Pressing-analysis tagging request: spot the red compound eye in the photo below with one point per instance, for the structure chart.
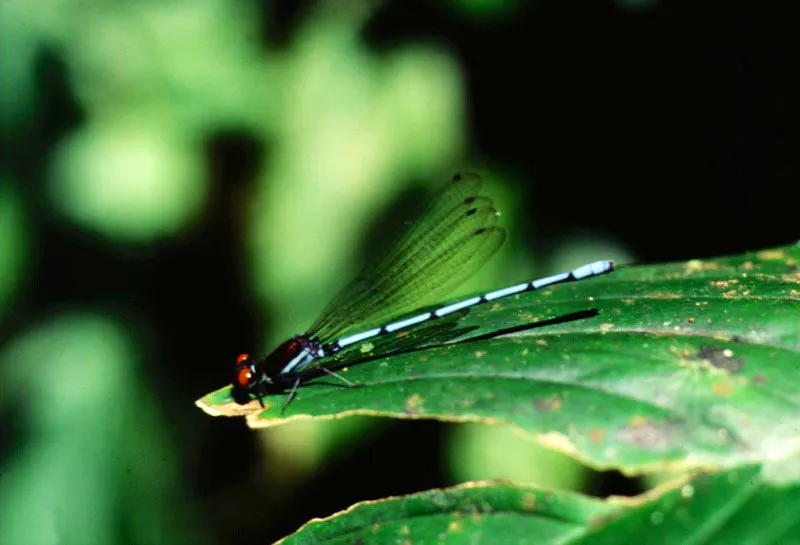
(242, 358)
(243, 376)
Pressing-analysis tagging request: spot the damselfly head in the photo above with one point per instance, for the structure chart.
(246, 376)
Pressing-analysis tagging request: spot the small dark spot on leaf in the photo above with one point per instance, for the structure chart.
(701, 479)
(759, 379)
(721, 358)
(551, 404)
(471, 211)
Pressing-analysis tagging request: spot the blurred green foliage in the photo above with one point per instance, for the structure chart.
(478, 451)
(96, 453)
(13, 243)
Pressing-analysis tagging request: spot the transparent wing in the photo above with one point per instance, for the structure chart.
(462, 190)
(454, 237)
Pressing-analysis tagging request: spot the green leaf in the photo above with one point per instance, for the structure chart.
(685, 365)
(477, 512)
(733, 506)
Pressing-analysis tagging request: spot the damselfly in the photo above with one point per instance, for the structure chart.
(453, 238)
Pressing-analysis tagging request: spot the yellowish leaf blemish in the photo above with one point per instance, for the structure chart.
(596, 435)
(413, 404)
(455, 525)
(791, 277)
(527, 316)
(745, 422)
(557, 441)
(722, 388)
(695, 265)
(466, 403)
(529, 502)
(637, 422)
(662, 295)
(771, 255)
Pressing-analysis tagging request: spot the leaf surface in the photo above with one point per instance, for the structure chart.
(733, 506)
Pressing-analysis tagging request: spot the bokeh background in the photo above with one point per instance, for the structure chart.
(182, 181)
